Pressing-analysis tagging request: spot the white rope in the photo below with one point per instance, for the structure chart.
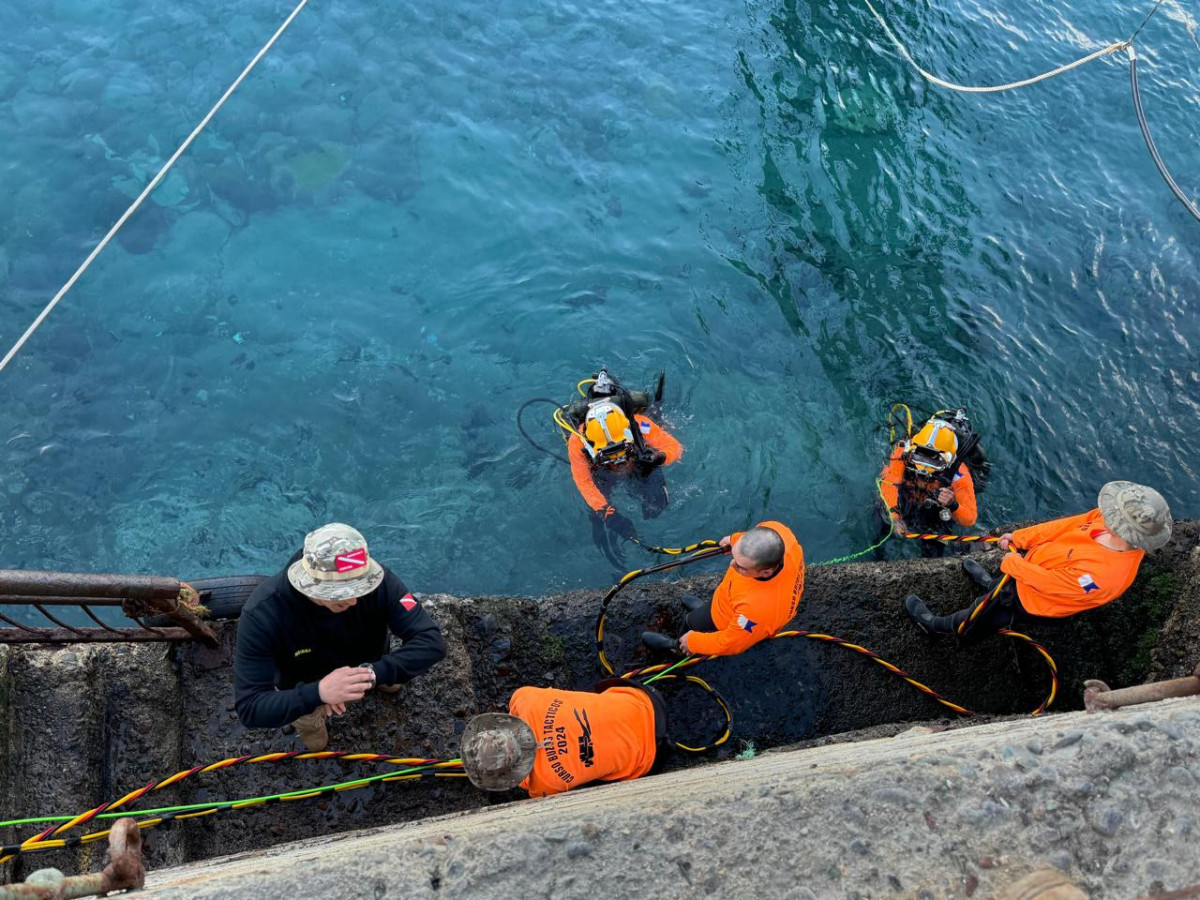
(146, 192)
(991, 89)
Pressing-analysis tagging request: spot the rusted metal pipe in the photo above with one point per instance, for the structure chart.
(26, 583)
(1098, 695)
(93, 636)
(125, 871)
(137, 595)
(30, 599)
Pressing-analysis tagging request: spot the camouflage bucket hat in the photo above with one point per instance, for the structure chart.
(1135, 513)
(498, 751)
(335, 565)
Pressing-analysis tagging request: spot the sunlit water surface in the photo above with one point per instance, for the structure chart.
(413, 217)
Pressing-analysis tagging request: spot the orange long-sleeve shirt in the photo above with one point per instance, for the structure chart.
(892, 477)
(584, 737)
(746, 610)
(581, 464)
(1064, 570)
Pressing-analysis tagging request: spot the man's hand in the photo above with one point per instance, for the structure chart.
(945, 496)
(683, 642)
(898, 526)
(334, 709)
(725, 542)
(344, 685)
(1006, 540)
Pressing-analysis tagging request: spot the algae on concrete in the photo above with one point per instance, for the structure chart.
(120, 717)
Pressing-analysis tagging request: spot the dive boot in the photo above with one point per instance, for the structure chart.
(692, 603)
(978, 573)
(312, 731)
(660, 643)
(919, 613)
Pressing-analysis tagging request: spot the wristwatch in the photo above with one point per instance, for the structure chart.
(370, 668)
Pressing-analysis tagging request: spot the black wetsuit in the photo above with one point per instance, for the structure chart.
(286, 644)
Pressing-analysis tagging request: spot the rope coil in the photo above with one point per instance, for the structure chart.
(726, 727)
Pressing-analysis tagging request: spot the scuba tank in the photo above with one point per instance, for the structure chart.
(604, 388)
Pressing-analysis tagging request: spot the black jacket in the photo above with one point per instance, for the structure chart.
(286, 644)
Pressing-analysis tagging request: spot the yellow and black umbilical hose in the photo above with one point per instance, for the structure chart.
(817, 636)
(56, 836)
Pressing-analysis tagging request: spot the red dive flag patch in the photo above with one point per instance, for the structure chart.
(348, 562)
(408, 601)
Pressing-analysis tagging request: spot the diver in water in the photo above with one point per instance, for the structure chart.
(612, 438)
(929, 482)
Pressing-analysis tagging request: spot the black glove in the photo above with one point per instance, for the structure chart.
(620, 526)
(650, 461)
(607, 543)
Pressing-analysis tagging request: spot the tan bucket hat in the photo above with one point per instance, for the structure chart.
(498, 751)
(1135, 513)
(336, 565)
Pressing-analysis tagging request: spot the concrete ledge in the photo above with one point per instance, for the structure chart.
(80, 725)
(1109, 798)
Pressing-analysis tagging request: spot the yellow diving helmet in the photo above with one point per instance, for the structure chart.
(933, 448)
(607, 433)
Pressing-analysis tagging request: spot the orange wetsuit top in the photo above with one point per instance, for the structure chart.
(1064, 570)
(581, 464)
(584, 737)
(746, 610)
(962, 484)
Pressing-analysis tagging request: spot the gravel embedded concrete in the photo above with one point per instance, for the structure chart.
(1109, 798)
(80, 725)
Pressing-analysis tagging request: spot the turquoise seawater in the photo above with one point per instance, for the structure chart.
(413, 217)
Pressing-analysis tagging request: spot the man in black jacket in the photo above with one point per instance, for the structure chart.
(315, 636)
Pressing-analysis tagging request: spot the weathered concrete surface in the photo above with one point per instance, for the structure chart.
(82, 725)
(1109, 798)
(71, 739)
